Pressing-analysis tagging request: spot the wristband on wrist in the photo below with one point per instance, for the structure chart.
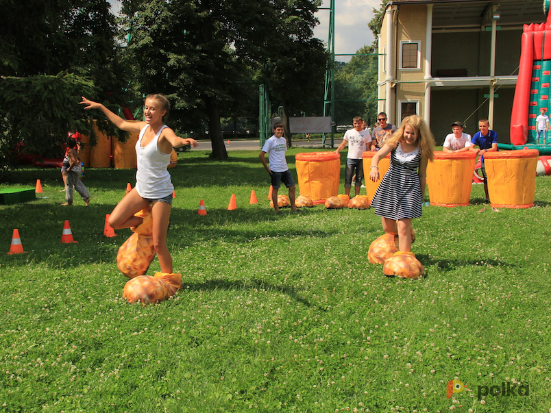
(374, 167)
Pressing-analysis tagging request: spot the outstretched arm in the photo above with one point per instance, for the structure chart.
(175, 141)
(117, 120)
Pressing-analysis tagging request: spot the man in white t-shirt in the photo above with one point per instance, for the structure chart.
(542, 122)
(275, 147)
(457, 141)
(357, 140)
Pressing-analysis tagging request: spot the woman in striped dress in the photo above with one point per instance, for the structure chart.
(399, 197)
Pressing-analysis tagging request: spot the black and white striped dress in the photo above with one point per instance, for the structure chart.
(399, 194)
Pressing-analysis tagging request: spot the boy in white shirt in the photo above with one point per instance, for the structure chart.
(542, 123)
(357, 140)
(457, 141)
(275, 147)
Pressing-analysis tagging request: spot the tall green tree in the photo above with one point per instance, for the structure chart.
(295, 67)
(49, 49)
(356, 87)
(197, 51)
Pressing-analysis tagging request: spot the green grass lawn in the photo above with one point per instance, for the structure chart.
(276, 313)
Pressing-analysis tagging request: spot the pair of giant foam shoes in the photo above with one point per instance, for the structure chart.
(384, 250)
(133, 260)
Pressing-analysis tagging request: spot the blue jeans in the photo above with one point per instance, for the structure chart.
(358, 165)
(541, 132)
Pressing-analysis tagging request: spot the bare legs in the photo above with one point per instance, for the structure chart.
(123, 217)
(292, 197)
(160, 212)
(402, 227)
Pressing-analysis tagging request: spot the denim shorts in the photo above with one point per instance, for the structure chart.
(285, 177)
(167, 200)
(351, 165)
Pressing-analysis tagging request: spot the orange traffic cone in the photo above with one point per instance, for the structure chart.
(67, 235)
(16, 246)
(38, 188)
(108, 231)
(253, 198)
(202, 209)
(173, 194)
(128, 187)
(270, 193)
(232, 204)
(228, 141)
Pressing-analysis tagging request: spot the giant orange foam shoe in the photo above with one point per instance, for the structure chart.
(404, 265)
(138, 251)
(382, 248)
(149, 290)
(304, 201)
(282, 201)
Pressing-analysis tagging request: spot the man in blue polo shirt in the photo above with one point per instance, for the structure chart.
(486, 140)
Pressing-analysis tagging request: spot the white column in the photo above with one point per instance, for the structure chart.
(492, 71)
(389, 54)
(428, 63)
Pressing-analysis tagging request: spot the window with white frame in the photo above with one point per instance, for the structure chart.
(408, 108)
(383, 58)
(410, 54)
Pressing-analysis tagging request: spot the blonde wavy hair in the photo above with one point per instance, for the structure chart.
(425, 137)
(165, 104)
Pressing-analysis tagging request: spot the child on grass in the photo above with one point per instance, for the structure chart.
(275, 147)
(399, 197)
(153, 185)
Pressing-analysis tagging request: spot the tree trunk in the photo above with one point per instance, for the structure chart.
(215, 131)
(287, 126)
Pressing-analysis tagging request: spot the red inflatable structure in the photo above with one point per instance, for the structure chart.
(532, 91)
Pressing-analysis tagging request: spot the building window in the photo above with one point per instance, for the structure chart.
(411, 54)
(407, 108)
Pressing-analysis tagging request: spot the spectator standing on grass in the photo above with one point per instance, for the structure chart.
(358, 140)
(399, 197)
(382, 132)
(458, 141)
(153, 185)
(542, 122)
(486, 140)
(73, 174)
(276, 147)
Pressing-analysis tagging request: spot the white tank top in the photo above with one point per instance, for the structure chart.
(152, 178)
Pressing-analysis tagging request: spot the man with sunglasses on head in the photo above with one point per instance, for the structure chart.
(382, 132)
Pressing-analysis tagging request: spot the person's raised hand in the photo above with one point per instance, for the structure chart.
(89, 104)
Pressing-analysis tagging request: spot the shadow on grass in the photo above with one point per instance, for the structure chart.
(253, 284)
(447, 265)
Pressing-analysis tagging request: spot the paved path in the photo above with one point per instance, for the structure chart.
(254, 145)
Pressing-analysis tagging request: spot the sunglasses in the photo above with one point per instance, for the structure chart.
(381, 119)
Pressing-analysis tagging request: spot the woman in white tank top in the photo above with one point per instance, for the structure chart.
(153, 185)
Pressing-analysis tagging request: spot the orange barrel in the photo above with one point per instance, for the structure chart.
(84, 152)
(450, 178)
(384, 164)
(511, 178)
(100, 155)
(318, 174)
(124, 153)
